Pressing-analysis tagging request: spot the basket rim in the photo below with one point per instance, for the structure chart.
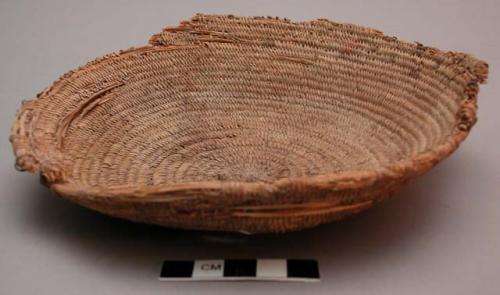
(476, 72)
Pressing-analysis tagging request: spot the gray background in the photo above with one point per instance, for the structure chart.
(441, 235)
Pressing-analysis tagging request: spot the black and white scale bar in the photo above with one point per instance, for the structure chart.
(298, 270)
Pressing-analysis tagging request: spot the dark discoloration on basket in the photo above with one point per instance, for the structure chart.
(250, 124)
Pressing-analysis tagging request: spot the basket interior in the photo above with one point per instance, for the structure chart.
(260, 110)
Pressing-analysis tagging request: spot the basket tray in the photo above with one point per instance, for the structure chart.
(248, 124)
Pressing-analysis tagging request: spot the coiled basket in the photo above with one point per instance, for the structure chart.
(249, 124)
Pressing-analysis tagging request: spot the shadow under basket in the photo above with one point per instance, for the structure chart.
(249, 124)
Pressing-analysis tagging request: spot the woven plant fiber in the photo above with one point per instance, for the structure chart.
(249, 124)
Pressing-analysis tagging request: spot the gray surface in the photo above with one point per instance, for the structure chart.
(441, 235)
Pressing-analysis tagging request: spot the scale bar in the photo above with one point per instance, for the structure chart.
(297, 270)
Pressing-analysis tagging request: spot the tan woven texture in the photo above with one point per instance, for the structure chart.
(248, 124)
